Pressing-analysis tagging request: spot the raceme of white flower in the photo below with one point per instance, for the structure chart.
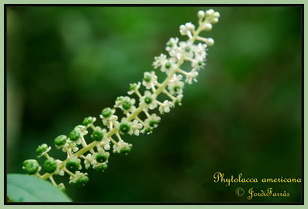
(138, 116)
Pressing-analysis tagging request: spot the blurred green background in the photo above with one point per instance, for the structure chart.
(243, 115)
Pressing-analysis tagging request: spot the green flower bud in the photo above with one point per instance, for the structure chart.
(87, 121)
(72, 165)
(41, 149)
(124, 128)
(82, 181)
(97, 135)
(60, 140)
(148, 100)
(126, 105)
(101, 167)
(31, 166)
(187, 49)
(102, 157)
(50, 165)
(74, 135)
(107, 112)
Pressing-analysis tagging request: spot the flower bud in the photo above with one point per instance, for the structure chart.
(201, 14)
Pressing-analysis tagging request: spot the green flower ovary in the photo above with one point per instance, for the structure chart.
(124, 128)
(50, 165)
(31, 166)
(60, 140)
(97, 135)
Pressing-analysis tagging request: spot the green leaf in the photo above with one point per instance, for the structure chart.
(25, 188)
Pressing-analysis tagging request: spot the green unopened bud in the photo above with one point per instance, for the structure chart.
(124, 128)
(50, 165)
(74, 135)
(107, 112)
(97, 135)
(31, 166)
(60, 140)
(72, 165)
(41, 149)
(82, 181)
(87, 121)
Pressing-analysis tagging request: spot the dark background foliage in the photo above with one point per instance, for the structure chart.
(243, 115)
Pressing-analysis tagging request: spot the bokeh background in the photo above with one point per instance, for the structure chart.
(243, 115)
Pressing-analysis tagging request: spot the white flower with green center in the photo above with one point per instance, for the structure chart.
(175, 86)
(172, 43)
(148, 100)
(134, 88)
(122, 147)
(159, 61)
(149, 80)
(169, 66)
(187, 49)
(152, 121)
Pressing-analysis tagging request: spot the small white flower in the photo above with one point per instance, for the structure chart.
(191, 76)
(198, 63)
(135, 128)
(76, 176)
(88, 161)
(126, 104)
(70, 146)
(169, 66)
(178, 100)
(175, 85)
(149, 100)
(187, 48)
(149, 79)
(172, 43)
(165, 107)
(152, 121)
(200, 51)
(159, 61)
(121, 146)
